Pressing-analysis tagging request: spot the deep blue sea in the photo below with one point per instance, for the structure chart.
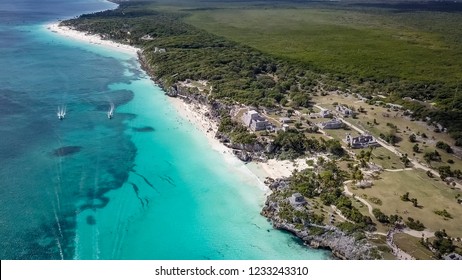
(143, 185)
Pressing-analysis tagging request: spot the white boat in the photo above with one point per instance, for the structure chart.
(61, 112)
(110, 113)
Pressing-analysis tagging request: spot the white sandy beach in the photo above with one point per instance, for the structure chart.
(195, 114)
(90, 38)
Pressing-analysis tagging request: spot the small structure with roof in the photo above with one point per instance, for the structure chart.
(285, 120)
(394, 107)
(362, 141)
(345, 111)
(254, 121)
(159, 50)
(297, 200)
(364, 184)
(325, 113)
(332, 124)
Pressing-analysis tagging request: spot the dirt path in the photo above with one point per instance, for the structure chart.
(419, 234)
(398, 170)
(362, 200)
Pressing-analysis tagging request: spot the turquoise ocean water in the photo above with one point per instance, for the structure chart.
(143, 185)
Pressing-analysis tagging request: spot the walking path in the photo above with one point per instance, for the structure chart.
(363, 201)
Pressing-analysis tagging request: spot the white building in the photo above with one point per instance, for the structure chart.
(345, 111)
(254, 121)
(297, 200)
(332, 124)
(325, 113)
(285, 120)
(362, 141)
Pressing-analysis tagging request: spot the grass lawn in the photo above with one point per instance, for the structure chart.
(431, 195)
(412, 246)
(386, 159)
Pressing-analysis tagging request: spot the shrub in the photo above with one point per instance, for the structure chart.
(444, 146)
(380, 216)
(415, 224)
(443, 213)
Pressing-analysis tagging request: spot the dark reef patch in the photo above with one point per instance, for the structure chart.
(91, 220)
(66, 151)
(143, 129)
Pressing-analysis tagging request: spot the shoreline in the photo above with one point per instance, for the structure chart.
(194, 112)
(93, 39)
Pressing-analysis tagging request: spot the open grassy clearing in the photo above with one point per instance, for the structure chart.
(412, 246)
(431, 195)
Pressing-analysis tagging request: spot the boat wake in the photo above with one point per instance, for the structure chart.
(61, 112)
(110, 113)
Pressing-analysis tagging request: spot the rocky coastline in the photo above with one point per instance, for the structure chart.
(345, 246)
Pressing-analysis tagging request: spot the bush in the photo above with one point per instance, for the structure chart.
(380, 216)
(444, 146)
(415, 224)
(443, 213)
(405, 197)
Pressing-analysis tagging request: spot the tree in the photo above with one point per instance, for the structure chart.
(405, 197)
(442, 243)
(380, 216)
(334, 147)
(395, 218)
(412, 138)
(444, 146)
(445, 171)
(415, 224)
(405, 160)
(416, 148)
(432, 156)
(414, 202)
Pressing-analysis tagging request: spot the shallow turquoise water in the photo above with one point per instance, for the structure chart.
(144, 185)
